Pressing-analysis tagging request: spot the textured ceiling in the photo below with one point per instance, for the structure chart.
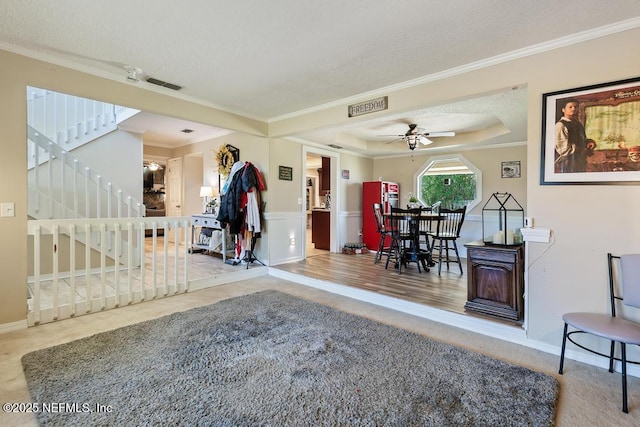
(268, 59)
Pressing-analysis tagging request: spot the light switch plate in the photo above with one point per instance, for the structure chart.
(7, 209)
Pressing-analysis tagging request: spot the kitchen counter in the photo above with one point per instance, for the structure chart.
(320, 228)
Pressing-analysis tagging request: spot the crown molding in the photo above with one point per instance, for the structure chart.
(498, 59)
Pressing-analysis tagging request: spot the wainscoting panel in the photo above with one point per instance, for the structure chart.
(286, 236)
(350, 227)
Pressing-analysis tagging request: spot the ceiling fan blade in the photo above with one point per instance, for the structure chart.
(437, 134)
(395, 140)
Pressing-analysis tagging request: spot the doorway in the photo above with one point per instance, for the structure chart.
(318, 205)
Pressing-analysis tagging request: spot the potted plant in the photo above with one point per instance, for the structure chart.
(413, 201)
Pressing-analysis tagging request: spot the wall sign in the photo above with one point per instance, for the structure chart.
(285, 173)
(370, 106)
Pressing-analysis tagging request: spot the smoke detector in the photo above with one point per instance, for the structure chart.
(133, 73)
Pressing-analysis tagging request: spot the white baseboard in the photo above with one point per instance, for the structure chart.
(13, 326)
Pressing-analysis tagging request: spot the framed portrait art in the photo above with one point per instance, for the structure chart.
(591, 134)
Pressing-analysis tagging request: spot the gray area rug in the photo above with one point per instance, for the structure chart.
(271, 359)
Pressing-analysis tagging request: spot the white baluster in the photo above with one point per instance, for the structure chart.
(116, 256)
(165, 272)
(76, 172)
(36, 173)
(50, 183)
(119, 203)
(130, 252)
(185, 272)
(72, 268)
(55, 278)
(109, 196)
(141, 249)
(98, 197)
(87, 196)
(37, 244)
(87, 263)
(63, 184)
(103, 265)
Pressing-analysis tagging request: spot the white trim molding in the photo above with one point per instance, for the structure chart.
(540, 235)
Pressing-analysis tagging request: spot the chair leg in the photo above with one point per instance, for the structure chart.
(623, 350)
(564, 344)
(611, 354)
(389, 255)
(380, 249)
(455, 247)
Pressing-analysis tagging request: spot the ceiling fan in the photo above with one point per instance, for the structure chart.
(417, 135)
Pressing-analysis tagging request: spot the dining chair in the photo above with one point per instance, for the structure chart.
(427, 225)
(383, 230)
(624, 288)
(448, 228)
(403, 227)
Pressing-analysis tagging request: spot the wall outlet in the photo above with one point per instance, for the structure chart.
(528, 222)
(7, 209)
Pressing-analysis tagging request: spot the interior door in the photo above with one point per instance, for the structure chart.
(174, 194)
(174, 190)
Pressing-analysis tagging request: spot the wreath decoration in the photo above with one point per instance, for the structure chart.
(225, 160)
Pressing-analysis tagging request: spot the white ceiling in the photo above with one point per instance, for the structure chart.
(267, 60)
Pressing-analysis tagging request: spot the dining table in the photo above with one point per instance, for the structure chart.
(409, 225)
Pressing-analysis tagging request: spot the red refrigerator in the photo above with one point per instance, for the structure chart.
(384, 192)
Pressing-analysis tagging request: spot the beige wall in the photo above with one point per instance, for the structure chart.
(360, 170)
(284, 194)
(488, 160)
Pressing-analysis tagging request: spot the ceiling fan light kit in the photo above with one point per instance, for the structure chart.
(414, 136)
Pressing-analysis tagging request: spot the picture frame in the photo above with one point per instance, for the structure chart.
(510, 169)
(606, 150)
(285, 173)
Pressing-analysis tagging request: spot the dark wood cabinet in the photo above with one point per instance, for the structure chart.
(495, 282)
(324, 176)
(321, 229)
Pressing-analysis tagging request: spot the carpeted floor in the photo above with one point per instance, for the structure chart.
(273, 359)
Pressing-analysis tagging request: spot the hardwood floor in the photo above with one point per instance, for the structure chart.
(447, 291)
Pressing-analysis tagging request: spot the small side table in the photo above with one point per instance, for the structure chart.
(495, 280)
(208, 221)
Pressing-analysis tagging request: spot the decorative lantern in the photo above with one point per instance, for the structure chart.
(502, 219)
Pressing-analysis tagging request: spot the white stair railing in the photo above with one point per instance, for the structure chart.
(61, 186)
(77, 285)
(71, 121)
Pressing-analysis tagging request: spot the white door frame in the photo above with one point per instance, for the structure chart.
(335, 195)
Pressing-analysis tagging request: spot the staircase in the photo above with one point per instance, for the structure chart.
(70, 121)
(60, 185)
(86, 228)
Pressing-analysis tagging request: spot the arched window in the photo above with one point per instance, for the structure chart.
(452, 180)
